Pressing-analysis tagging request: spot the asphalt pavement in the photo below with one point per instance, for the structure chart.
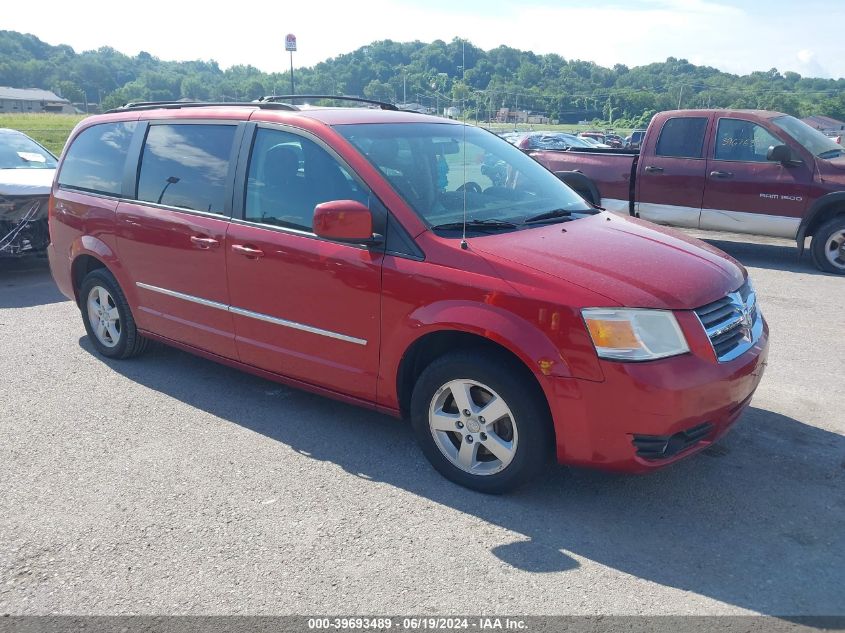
(169, 484)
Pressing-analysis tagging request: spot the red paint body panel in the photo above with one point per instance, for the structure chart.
(343, 220)
(182, 252)
(610, 171)
(655, 398)
(339, 318)
(313, 282)
(627, 260)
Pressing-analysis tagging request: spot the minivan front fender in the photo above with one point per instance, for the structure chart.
(492, 325)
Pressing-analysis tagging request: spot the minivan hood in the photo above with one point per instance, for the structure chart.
(632, 262)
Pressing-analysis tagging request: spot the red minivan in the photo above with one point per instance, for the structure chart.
(368, 254)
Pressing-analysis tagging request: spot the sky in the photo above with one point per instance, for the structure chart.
(738, 37)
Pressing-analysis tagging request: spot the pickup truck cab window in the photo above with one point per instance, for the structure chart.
(682, 137)
(185, 165)
(742, 141)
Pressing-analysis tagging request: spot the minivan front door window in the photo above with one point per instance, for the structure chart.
(289, 175)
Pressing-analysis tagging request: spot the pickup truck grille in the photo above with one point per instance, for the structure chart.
(733, 323)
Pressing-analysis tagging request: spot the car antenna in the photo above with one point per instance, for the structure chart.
(464, 244)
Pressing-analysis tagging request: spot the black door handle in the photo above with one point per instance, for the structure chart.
(721, 174)
(654, 170)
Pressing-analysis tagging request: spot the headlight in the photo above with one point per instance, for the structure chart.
(626, 334)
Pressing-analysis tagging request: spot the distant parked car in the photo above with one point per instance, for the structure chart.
(26, 174)
(594, 142)
(614, 140)
(635, 140)
(605, 140)
(549, 140)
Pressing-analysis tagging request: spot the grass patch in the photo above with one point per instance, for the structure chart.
(51, 130)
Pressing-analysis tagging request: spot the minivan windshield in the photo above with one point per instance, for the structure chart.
(439, 167)
(812, 140)
(18, 151)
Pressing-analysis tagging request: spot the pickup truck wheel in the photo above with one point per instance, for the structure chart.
(107, 317)
(828, 246)
(480, 421)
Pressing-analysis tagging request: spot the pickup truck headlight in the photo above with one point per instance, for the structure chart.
(630, 334)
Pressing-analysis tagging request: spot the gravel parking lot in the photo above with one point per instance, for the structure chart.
(172, 485)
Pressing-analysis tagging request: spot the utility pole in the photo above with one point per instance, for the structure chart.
(680, 95)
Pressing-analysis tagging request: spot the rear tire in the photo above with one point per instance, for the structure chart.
(505, 441)
(828, 246)
(107, 317)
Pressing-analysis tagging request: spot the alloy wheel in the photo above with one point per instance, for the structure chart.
(473, 427)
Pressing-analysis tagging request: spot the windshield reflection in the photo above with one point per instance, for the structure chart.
(812, 140)
(438, 168)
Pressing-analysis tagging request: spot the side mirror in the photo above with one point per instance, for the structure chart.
(781, 154)
(345, 221)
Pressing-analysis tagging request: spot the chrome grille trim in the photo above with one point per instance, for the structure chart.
(733, 323)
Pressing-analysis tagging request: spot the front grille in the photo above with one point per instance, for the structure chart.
(733, 323)
(666, 446)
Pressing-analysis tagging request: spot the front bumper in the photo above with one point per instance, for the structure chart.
(690, 401)
(23, 225)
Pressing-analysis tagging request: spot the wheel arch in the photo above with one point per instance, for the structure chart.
(90, 253)
(826, 207)
(428, 347)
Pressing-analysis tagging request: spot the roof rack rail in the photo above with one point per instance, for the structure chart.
(276, 98)
(175, 105)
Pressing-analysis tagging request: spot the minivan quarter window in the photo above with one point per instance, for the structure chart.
(96, 158)
(185, 165)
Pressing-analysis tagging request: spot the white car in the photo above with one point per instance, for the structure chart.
(26, 175)
(593, 142)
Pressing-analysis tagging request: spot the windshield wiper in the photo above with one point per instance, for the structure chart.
(831, 153)
(556, 214)
(477, 224)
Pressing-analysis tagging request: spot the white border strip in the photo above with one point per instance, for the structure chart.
(253, 315)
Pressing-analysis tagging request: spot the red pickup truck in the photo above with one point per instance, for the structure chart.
(745, 171)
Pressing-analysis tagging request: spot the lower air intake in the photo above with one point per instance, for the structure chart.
(666, 446)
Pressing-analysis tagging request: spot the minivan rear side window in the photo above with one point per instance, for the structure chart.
(682, 138)
(185, 165)
(95, 160)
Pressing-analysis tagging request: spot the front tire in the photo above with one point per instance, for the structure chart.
(107, 317)
(828, 246)
(481, 421)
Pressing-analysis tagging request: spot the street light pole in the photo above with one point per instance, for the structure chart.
(290, 45)
(292, 89)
